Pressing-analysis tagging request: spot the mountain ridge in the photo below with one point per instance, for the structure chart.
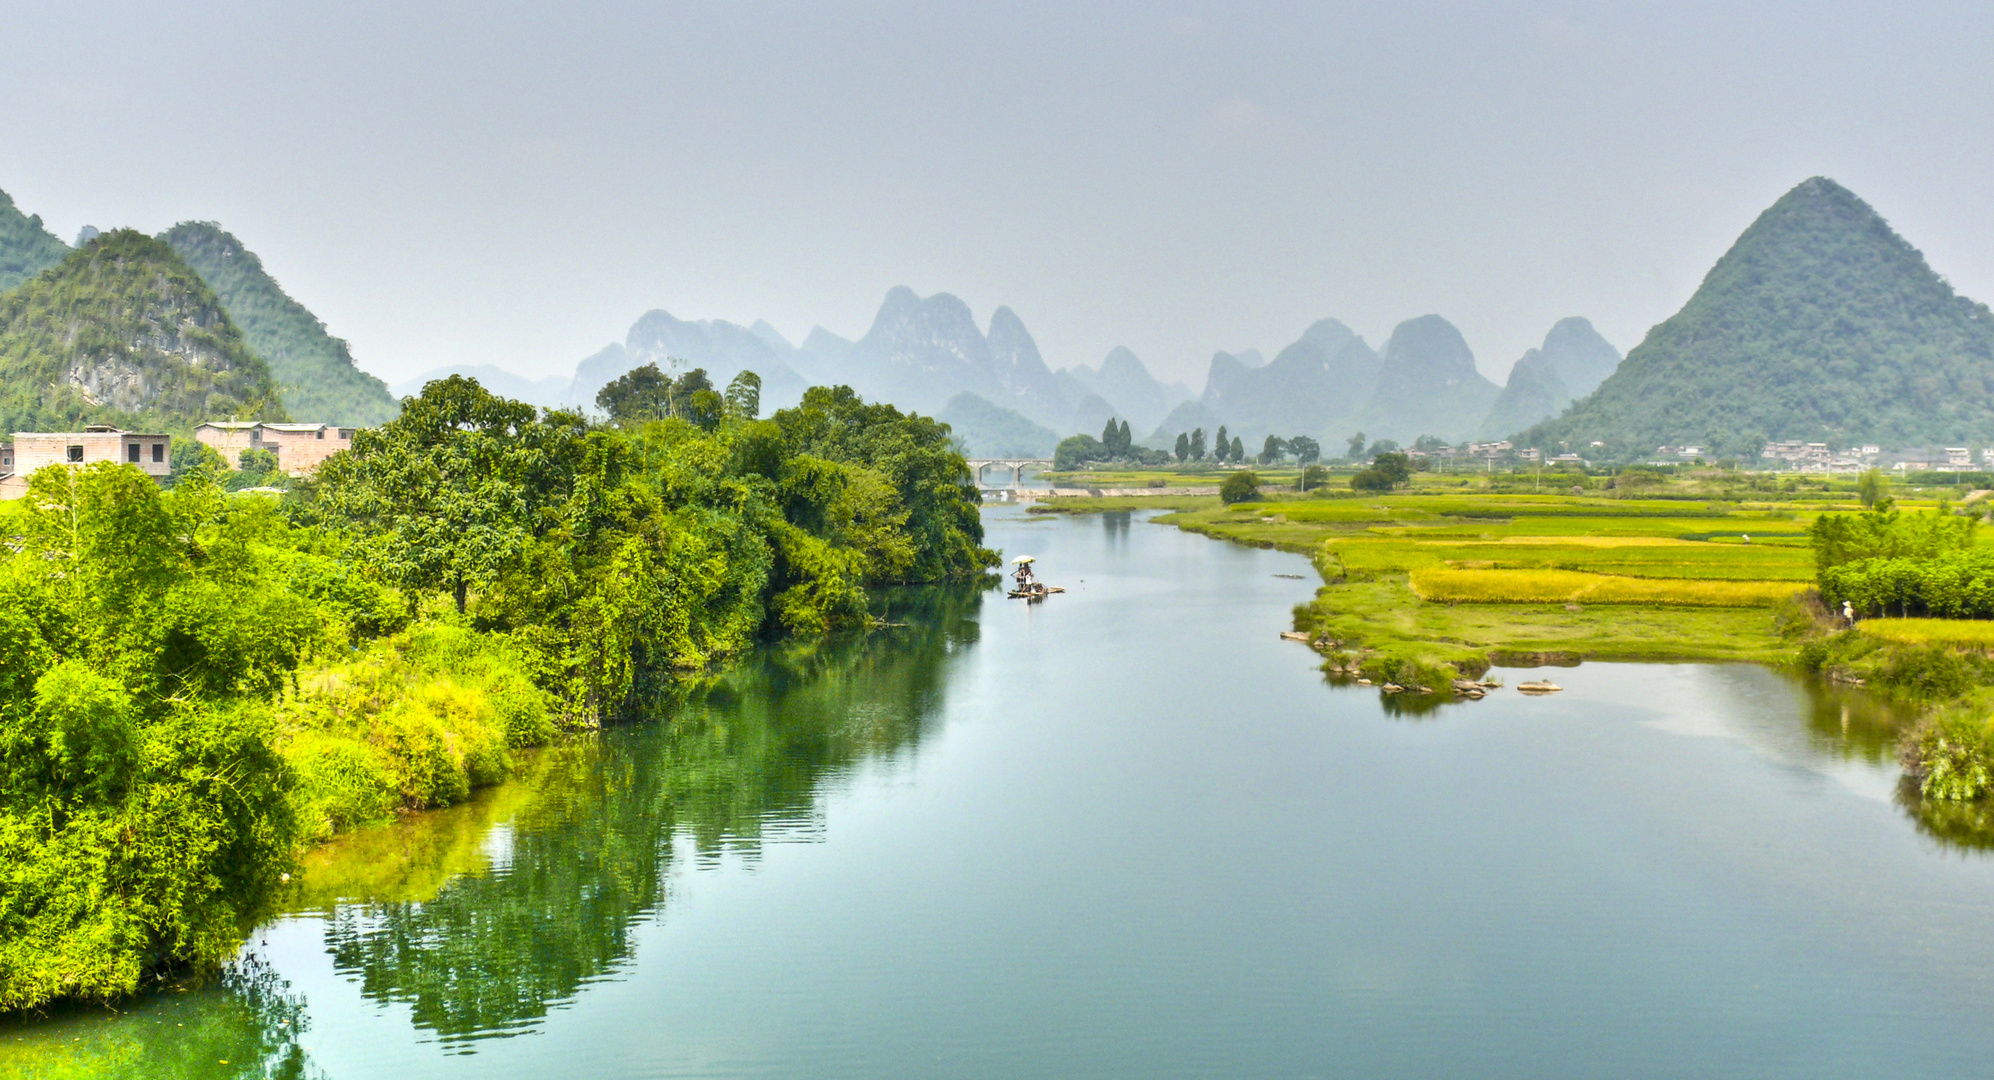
(1819, 323)
(315, 372)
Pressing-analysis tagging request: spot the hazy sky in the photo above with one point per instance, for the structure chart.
(515, 184)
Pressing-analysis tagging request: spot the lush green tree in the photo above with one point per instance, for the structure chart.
(1386, 472)
(1077, 451)
(646, 393)
(1125, 439)
(1241, 486)
(1369, 479)
(1183, 449)
(1111, 437)
(1396, 466)
(1306, 450)
(1871, 487)
(1221, 446)
(1272, 450)
(1888, 533)
(257, 468)
(744, 396)
(1197, 444)
(1313, 476)
(928, 477)
(1356, 447)
(443, 496)
(1238, 451)
(143, 811)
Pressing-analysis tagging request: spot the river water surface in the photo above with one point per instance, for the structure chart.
(1129, 832)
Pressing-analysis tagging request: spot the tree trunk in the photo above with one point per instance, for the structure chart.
(462, 591)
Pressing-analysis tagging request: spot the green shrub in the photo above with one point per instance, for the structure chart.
(1241, 486)
(1952, 755)
(342, 782)
(1371, 480)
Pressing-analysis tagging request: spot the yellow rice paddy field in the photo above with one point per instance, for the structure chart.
(1448, 585)
(1970, 632)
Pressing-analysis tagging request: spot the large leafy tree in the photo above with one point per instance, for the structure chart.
(143, 812)
(444, 495)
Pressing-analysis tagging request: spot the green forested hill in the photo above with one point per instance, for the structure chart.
(1820, 323)
(123, 332)
(26, 248)
(314, 370)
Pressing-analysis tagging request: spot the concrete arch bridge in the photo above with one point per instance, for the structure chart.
(1016, 465)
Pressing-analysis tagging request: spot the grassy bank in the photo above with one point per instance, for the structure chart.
(1445, 579)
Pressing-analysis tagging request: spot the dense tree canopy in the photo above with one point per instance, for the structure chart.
(191, 683)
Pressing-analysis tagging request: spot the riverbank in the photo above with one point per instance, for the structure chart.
(1605, 578)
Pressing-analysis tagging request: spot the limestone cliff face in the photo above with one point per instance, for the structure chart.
(124, 332)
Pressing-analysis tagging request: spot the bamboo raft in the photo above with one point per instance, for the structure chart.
(1029, 586)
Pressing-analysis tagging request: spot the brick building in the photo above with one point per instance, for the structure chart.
(32, 450)
(300, 448)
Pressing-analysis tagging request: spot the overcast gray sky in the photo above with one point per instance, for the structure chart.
(515, 184)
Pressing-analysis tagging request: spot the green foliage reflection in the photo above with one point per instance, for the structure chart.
(586, 848)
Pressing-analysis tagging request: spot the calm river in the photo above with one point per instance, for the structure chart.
(1129, 833)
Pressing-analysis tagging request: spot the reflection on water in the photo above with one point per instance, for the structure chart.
(251, 1027)
(480, 918)
(590, 831)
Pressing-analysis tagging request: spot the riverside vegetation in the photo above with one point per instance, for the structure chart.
(196, 685)
(1444, 577)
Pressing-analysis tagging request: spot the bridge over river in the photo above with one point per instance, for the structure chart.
(1016, 465)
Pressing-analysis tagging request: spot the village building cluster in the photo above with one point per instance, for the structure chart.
(300, 448)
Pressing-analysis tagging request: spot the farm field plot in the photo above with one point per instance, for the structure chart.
(1566, 586)
(1631, 556)
(1971, 632)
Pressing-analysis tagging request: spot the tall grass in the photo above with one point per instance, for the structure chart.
(1572, 586)
(1971, 632)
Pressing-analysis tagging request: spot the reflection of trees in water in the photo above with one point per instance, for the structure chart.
(1854, 724)
(488, 953)
(251, 1030)
(1963, 826)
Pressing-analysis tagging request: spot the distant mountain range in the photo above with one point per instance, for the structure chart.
(921, 353)
(1572, 363)
(1330, 384)
(1819, 324)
